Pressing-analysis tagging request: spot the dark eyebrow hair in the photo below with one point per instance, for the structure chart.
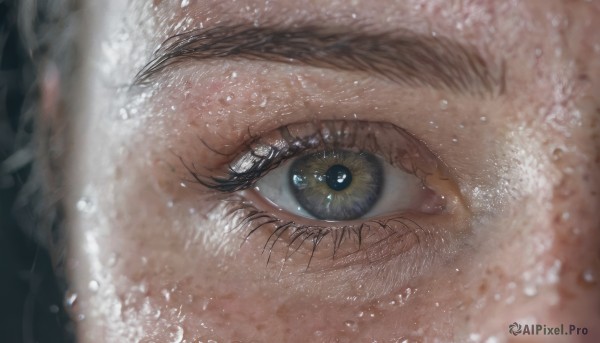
(401, 56)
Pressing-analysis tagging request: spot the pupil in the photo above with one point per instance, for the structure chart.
(338, 177)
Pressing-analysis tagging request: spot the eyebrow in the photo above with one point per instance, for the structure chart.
(401, 56)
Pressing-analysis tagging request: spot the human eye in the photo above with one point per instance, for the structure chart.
(336, 191)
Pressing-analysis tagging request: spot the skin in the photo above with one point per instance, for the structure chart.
(152, 256)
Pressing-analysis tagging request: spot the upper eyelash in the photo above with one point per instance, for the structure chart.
(239, 180)
(236, 180)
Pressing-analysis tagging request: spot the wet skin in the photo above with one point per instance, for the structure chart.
(156, 256)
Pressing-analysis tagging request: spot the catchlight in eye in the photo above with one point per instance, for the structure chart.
(336, 185)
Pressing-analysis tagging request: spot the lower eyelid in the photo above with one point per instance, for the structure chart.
(338, 243)
(383, 263)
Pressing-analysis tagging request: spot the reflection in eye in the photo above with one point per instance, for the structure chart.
(336, 185)
(364, 184)
(340, 185)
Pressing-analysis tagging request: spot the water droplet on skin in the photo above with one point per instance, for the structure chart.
(443, 104)
(530, 290)
(143, 287)
(123, 114)
(70, 299)
(93, 286)
(205, 303)
(263, 103)
(185, 3)
(483, 119)
(80, 317)
(318, 333)
(350, 324)
(85, 205)
(437, 304)
(360, 314)
(565, 216)
(112, 260)
(474, 337)
(454, 140)
(492, 339)
(234, 75)
(182, 185)
(538, 52)
(53, 309)
(175, 333)
(227, 100)
(588, 276)
(166, 294)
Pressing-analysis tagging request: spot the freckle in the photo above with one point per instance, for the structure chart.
(483, 288)
(583, 77)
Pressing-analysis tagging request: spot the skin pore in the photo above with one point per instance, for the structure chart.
(156, 256)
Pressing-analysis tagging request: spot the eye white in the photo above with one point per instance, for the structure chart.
(400, 191)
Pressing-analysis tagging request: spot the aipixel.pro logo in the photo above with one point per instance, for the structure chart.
(545, 330)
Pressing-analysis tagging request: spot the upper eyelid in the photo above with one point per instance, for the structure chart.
(402, 56)
(324, 134)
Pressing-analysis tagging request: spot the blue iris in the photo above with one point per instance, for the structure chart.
(336, 185)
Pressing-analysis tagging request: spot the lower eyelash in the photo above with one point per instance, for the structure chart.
(250, 220)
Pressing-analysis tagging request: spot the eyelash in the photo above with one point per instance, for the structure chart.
(265, 157)
(249, 219)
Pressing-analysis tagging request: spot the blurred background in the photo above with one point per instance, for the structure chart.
(31, 304)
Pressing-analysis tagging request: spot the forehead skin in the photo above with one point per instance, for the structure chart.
(154, 261)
